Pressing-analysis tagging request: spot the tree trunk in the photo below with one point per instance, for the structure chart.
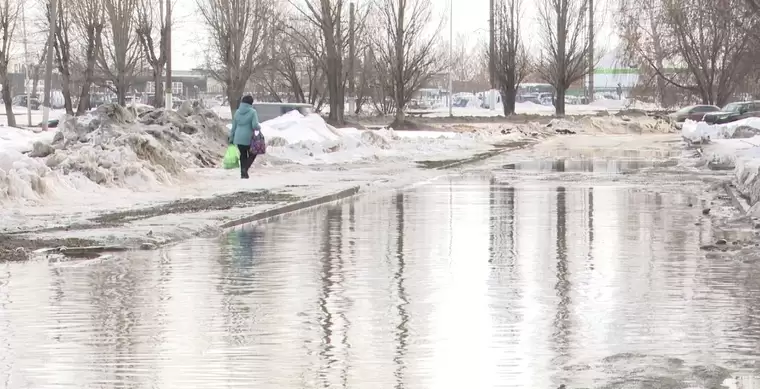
(334, 71)
(508, 97)
(561, 59)
(158, 95)
(8, 98)
(233, 96)
(333, 89)
(122, 88)
(35, 80)
(559, 104)
(121, 95)
(89, 72)
(399, 71)
(66, 89)
(84, 98)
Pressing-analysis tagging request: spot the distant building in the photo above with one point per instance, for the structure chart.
(185, 83)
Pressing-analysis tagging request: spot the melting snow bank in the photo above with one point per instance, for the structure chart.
(701, 132)
(732, 146)
(112, 148)
(308, 140)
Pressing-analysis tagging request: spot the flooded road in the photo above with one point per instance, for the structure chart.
(478, 281)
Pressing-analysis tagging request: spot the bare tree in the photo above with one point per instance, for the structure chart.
(303, 73)
(330, 19)
(151, 25)
(238, 31)
(118, 58)
(381, 84)
(510, 56)
(295, 64)
(62, 49)
(408, 43)
(89, 21)
(463, 58)
(9, 14)
(564, 52)
(712, 40)
(642, 32)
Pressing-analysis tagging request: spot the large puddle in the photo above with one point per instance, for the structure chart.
(463, 283)
(607, 166)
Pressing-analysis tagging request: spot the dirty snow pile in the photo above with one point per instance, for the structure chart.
(701, 132)
(731, 145)
(610, 124)
(309, 140)
(134, 148)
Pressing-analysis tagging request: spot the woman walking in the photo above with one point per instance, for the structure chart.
(245, 121)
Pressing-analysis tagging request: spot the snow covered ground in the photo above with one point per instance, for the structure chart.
(151, 176)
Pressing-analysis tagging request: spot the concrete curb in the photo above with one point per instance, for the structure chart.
(279, 211)
(485, 155)
(736, 199)
(292, 207)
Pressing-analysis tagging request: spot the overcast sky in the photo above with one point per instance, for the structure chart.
(470, 17)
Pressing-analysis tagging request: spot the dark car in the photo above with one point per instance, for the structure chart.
(692, 112)
(733, 112)
(20, 101)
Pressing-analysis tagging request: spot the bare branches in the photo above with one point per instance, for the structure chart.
(710, 41)
(238, 29)
(117, 58)
(9, 14)
(463, 60)
(151, 26)
(62, 47)
(328, 17)
(405, 48)
(511, 60)
(88, 20)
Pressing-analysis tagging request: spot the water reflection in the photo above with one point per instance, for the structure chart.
(466, 282)
(585, 165)
(403, 332)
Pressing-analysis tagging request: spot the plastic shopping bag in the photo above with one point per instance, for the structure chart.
(232, 158)
(258, 143)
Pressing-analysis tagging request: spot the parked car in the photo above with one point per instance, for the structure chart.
(20, 101)
(692, 112)
(733, 112)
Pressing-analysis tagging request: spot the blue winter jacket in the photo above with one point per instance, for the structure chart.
(243, 123)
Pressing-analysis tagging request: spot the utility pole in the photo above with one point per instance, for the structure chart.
(27, 63)
(352, 58)
(49, 64)
(168, 87)
(591, 50)
(451, 57)
(492, 45)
